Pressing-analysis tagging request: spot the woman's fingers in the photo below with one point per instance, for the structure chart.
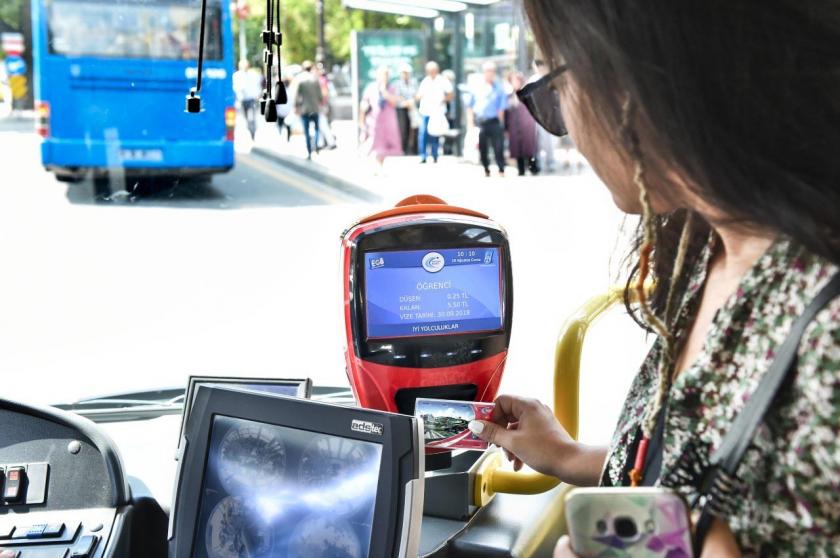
(491, 432)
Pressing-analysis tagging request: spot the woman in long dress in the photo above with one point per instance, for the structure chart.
(379, 102)
(521, 129)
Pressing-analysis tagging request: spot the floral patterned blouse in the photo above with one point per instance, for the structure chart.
(791, 473)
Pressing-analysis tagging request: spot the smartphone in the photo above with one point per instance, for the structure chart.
(639, 522)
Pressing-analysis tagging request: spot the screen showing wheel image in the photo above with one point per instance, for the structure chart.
(433, 292)
(276, 491)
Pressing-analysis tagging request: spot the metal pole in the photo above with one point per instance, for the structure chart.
(243, 43)
(321, 49)
(458, 63)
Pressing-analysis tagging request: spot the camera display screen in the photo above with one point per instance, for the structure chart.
(433, 292)
(276, 491)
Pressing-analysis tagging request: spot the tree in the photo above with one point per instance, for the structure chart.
(298, 21)
(11, 13)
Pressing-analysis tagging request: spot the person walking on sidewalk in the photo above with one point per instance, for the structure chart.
(283, 112)
(546, 142)
(406, 89)
(432, 95)
(521, 128)
(379, 103)
(308, 99)
(487, 107)
(247, 87)
(325, 117)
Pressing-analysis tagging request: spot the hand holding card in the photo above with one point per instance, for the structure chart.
(445, 422)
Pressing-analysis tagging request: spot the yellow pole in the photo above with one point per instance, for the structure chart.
(490, 478)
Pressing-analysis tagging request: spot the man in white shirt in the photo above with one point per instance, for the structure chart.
(247, 86)
(432, 95)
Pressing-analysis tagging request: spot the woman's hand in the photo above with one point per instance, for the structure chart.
(528, 432)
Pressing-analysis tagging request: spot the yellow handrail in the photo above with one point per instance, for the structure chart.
(490, 478)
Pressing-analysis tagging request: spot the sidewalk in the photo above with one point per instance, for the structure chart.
(348, 169)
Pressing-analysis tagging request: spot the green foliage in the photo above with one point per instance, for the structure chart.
(11, 13)
(299, 26)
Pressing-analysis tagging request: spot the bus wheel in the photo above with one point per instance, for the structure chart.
(101, 188)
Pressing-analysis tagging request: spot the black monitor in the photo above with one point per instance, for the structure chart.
(263, 476)
(277, 386)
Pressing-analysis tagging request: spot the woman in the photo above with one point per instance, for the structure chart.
(718, 122)
(521, 129)
(379, 102)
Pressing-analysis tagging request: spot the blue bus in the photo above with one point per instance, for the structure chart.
(110, 79)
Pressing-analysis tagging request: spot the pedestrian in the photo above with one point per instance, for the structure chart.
(308, 99)
(406, 89)
(379, 102)
(546, 142)
(521, 129)
(432, 95)
(283, 112)
(325, 115)
(488, 101)
(247, 87)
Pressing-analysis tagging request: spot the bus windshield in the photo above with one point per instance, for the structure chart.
(158, 30)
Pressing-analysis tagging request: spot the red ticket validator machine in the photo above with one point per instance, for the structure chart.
(428, 305)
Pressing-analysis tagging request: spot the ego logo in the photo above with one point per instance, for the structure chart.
(433, 262)
(366, 427)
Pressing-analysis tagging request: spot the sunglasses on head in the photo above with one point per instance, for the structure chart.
(541, 99)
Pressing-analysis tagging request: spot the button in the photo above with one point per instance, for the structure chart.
(36, 531)
(15, 477)
(6, 532)
(53, 530)
(84, 547)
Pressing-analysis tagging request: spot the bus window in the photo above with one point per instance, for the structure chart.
(160, 30)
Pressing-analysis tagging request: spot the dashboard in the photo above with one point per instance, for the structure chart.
(72, 488)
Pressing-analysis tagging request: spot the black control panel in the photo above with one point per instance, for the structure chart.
(51, 534)
(63, 492)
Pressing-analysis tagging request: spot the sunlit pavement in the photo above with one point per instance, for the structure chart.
(97, 298)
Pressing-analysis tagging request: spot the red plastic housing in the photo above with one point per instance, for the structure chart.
(375, 385)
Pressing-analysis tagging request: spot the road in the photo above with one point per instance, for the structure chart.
(241, 276)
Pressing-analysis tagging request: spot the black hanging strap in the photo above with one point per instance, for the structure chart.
(194, 99)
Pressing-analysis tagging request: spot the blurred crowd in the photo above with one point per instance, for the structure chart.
(405, 114)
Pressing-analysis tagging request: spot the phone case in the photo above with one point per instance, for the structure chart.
(628, 523)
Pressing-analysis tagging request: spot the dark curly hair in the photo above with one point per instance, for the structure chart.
(742, 97)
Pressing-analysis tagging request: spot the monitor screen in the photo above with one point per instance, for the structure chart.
(433, 292)
(271, 490)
